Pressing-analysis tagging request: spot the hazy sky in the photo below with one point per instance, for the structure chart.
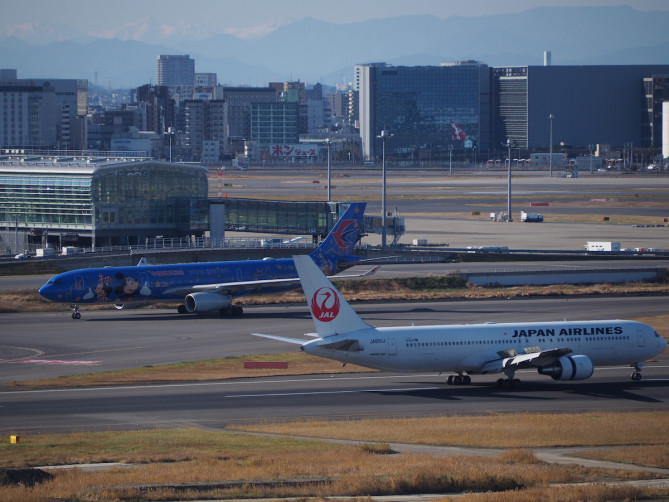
(237, 15)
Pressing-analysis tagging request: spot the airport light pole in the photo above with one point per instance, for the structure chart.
(450, 158)
(329, 177)
(508, 206)
(384, 137)
(550, 140)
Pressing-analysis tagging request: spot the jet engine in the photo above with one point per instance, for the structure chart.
(207, 302)
(576, 367)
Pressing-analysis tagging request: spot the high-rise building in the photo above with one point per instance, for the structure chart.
(275, 123)
(426, 110)
(579, 105)
(43, 113)
(178, 73)
(238, 100)
(206, 129)
(657, 92)
(161, 110)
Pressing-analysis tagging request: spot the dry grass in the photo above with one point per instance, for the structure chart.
(493, 430)
(209, 370)
(224, 465)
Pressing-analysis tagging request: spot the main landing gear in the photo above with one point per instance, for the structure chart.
(459, 379)
(75, 312)
(508, 383)
(231, 311)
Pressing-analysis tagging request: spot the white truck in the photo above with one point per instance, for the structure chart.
(531, 217)
(602, 246)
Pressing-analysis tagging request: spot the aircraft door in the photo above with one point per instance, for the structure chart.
(145, 290)
(641, 338)
(392, 347)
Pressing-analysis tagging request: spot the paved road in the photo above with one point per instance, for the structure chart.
(51, 344)
(216, 404)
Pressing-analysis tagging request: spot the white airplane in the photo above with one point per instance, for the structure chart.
(560, 350)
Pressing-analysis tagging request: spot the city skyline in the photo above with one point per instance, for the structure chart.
(255, 18)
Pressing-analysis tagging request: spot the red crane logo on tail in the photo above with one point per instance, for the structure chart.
(325, 304)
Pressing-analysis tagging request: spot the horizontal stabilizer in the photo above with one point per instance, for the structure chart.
(295, 341)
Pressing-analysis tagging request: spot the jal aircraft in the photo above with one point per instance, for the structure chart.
(560, 350)
(203, 287)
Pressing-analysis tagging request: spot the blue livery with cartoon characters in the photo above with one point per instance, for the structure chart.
(203, 287)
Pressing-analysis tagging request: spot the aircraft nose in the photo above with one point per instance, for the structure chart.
(46, 291)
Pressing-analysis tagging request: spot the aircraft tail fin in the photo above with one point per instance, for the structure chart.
(337, 248)
(330, 311)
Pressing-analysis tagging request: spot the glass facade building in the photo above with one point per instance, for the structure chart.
(427, 110)
(99, 204)
(605, 104)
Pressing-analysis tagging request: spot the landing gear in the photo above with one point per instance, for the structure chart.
(508, 383)
(182, 309)
(75, 312)
(459, 379)
(231, 311)
(636, 374)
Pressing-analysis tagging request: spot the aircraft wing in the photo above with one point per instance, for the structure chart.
(532, 358)
(238, 286)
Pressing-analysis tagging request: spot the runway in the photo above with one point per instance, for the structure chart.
(51, 344)
(217, 404)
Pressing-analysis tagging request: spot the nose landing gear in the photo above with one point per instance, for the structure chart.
(636, 374)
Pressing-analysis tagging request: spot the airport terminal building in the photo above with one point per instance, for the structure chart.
(95, 202)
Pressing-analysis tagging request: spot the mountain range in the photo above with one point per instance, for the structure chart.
(312, 50)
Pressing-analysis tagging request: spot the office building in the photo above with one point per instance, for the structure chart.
(657, 92)
(589, 105)
(161, 109)
(426, 110)
(206, 127)
(43, 113)
(275, 123)
(238, 101)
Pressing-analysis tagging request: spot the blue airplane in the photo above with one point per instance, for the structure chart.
(203, 287)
